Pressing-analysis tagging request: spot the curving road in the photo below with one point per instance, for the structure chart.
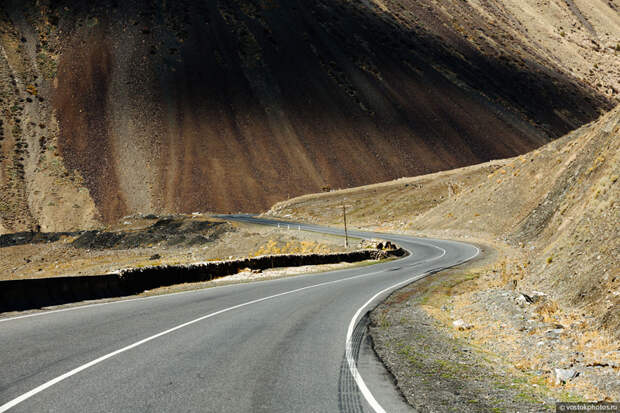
(287, 345)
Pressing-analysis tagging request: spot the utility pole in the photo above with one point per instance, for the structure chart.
(346, 235)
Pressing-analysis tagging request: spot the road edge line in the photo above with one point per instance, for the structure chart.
(351, 362)
(25, 396)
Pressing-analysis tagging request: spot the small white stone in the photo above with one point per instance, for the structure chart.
(563, 375)
(461, 325)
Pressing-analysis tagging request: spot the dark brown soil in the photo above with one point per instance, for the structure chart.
(21, 238)
(166, 232)
(234, 105)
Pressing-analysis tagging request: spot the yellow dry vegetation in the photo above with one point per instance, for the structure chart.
(456, 299)
(291, 247)
(32, 90)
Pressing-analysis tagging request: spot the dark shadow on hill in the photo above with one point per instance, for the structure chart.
(234, 105)
(168, 232)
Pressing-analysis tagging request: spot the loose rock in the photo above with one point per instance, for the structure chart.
(564, 375)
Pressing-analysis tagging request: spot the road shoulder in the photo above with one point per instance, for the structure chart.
(442, 366)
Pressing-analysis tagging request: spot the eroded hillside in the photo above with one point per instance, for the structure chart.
(558, 205)
(111, 108)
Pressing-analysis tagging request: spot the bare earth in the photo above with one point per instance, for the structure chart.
(140, 242)
(114, 108)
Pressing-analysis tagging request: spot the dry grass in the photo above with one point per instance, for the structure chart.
(291, 247)
(456, 299)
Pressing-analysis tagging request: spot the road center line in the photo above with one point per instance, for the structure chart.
(92, 363)
(348, 344)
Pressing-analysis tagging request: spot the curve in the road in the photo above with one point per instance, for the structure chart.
(349, 354)
(92, 363)
(152, 315)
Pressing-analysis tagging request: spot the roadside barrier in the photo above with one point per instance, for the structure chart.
(33, 293)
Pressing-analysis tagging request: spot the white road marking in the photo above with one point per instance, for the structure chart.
(83, 367)
(349, 345)
(79, 307)
(349, 348)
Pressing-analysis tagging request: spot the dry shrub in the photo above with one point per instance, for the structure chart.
(547, 310)
(527, 364)
(510, 271)
(290, 247)
(594, 341)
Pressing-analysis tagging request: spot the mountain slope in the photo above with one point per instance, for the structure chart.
(557, 205)
(111, 108)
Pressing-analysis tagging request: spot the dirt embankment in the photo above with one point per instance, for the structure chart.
(162, 254)
(146, 241)
(114, 108)
(549, 304)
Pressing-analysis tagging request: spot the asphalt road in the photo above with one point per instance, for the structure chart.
(287, 345)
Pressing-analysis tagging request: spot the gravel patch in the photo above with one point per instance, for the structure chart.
(443, 363)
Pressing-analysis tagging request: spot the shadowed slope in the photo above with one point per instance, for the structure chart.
(234, 105)
(558, 204)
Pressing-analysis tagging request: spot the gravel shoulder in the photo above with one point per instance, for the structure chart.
(443, 358)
